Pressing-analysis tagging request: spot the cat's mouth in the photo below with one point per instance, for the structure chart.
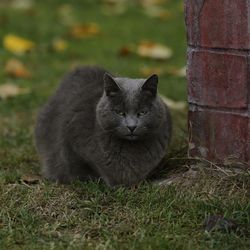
(132, 137)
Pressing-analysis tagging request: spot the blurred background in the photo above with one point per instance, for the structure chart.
(43, 40)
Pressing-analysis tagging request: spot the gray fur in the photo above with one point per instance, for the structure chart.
(82, 132)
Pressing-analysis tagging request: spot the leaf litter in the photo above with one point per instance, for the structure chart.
(59, 45)
(30, 179)
(9, 90)
(145, 71)
(147, 49)
(17, 45)
(154, 50)
(79, 31)
(16, 68)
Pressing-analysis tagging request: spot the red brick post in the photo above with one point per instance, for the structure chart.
(218, 73)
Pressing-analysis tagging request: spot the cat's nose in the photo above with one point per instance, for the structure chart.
(132, 128)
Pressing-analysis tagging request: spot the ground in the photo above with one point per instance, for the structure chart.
(90, 215)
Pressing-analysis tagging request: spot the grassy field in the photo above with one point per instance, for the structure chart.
(90, 215)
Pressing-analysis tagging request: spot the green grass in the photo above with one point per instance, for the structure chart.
(90, 215)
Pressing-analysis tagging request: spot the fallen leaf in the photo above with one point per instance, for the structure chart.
(176, 71)
(84, 30)
(31, 179)
(17, 69)
(173, 104)
(59, 45)
(17, 45)
(147, 71)
(154, 50)
(125, 51)
(10, 90)
(22, 4)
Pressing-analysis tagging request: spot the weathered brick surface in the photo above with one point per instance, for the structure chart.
(219, 136)
(218, 23)
(248, 142)
(218, 74)
(218, 79)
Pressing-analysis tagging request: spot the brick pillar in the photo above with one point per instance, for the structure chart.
(218, 73)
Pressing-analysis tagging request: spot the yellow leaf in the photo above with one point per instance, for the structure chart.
(59, 45)
(10, 90)
(154, 50)
(84, 30)
(17, 45)
(17, 69)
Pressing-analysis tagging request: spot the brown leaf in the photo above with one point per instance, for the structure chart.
(154, 50)
(125, 51)
(31, 179)
(10, 90)
(79, 31)
(17, 69)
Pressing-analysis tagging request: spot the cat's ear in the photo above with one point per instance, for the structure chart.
(150, 85)
(110, 85)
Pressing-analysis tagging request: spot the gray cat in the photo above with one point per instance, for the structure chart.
(100, 126)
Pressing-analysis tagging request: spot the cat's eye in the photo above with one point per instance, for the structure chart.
(144, 112)
(120, 113)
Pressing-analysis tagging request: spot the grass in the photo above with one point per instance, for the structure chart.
(90, 215)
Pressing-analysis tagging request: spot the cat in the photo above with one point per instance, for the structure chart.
(97, 126)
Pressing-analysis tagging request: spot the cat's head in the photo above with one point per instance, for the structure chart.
(130, 108)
